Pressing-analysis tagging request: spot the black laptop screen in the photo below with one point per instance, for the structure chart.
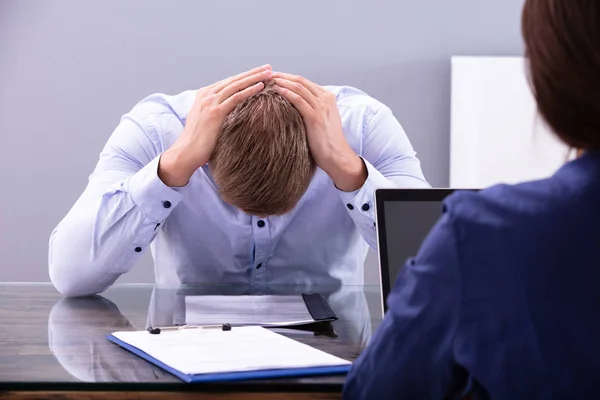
(408, 223)
(404, 219)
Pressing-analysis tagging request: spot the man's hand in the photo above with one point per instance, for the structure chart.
(326, 139)
(194, 147)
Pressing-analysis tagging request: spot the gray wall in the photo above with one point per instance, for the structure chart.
(70, 68)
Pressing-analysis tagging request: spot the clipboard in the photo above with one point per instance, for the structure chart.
(205, 354)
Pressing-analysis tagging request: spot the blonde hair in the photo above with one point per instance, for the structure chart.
(262, 163)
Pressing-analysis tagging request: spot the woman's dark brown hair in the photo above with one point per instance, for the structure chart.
(562, 46)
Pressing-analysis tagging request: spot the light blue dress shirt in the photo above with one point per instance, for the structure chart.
(196, 237)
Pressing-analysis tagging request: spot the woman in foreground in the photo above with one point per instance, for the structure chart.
(503, 299)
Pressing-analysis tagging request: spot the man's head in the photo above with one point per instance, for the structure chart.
(262, 163)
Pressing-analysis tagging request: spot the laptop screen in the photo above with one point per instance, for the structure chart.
(409, 222)
(404, 219)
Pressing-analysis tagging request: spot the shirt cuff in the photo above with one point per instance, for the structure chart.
(149, 193)
(360, 203)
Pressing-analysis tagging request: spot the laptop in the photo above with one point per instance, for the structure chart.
(404, 218)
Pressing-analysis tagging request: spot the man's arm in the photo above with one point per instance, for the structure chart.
(388, 159)
(390, 162)
(411, 354)
(127, 198)
(117, 216)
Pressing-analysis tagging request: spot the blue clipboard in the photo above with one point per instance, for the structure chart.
(234, 376)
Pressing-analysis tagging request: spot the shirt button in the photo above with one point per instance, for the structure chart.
(260, 223)
(167, 204)
(350, 206)
(258, 265)
(365, 207)
(138, 249)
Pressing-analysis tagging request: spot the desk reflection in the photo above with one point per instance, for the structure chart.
(77, 329)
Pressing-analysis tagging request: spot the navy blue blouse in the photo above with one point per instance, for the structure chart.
(502, 301)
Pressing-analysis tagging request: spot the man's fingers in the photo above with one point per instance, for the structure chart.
(314, 88)
(238, 86)
(242, 75)
(218, 86)
(297, 101)
(298, 89)
(230, 103)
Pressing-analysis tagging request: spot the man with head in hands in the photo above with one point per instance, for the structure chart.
(260, 179)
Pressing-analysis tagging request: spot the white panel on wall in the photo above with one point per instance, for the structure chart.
(497, 136)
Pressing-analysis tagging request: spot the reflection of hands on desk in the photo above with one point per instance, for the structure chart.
(77, 329)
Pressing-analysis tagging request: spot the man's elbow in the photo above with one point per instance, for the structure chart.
(68, 283)
(68, 273)
(73, 279)
(71, 289)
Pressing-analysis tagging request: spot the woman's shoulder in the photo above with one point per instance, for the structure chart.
(575, 184)
(506, 204)
(528, 213)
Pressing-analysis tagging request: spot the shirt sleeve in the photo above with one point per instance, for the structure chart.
(118, 215)
(391, 162)
(411, 354)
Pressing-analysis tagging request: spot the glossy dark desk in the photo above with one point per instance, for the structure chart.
(55, 348)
